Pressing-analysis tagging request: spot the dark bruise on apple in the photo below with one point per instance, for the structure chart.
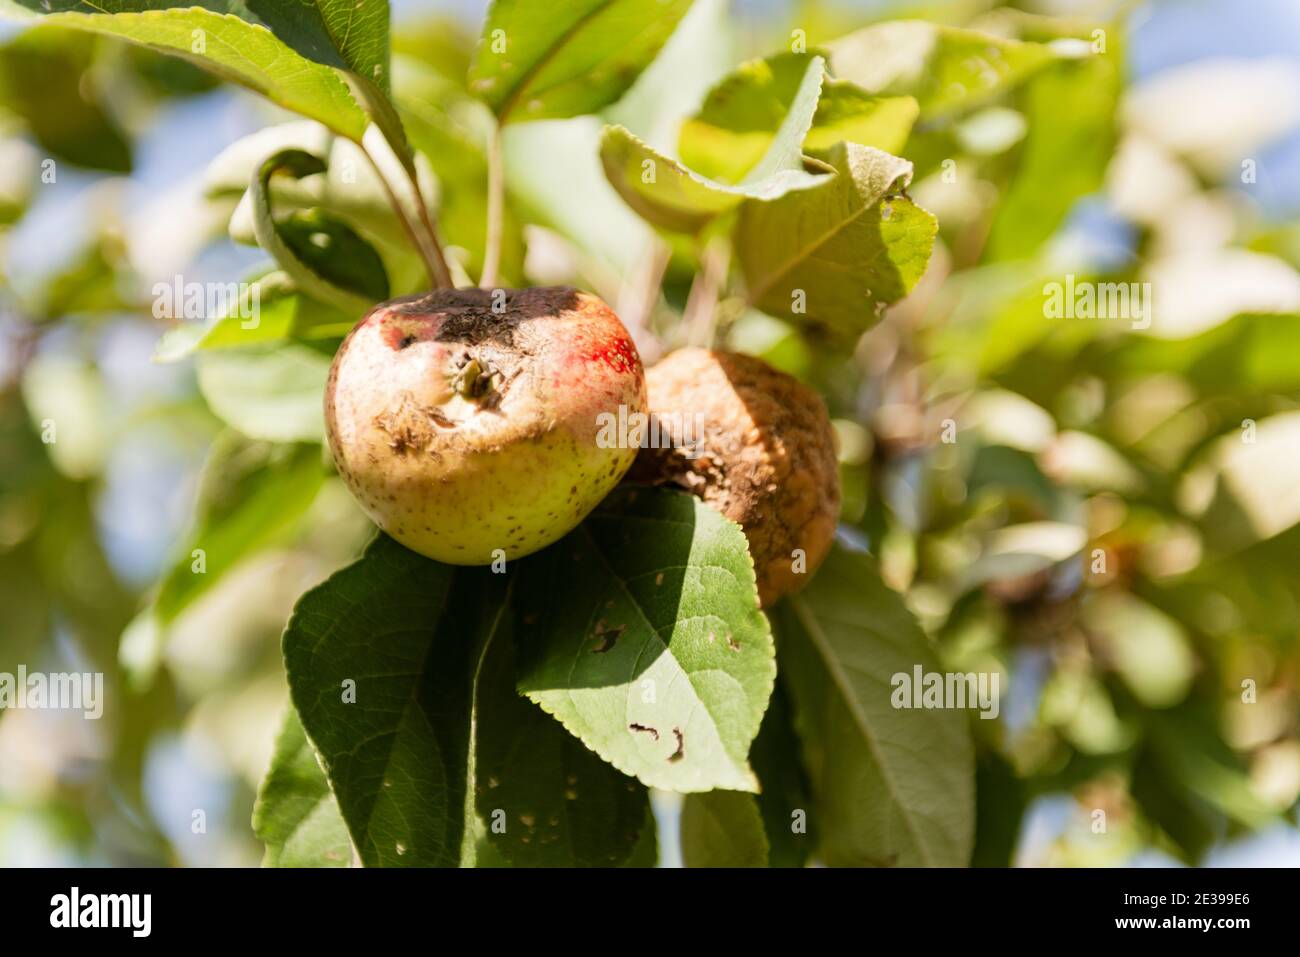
(465, 422)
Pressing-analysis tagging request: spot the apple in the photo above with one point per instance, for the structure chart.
(466, 422)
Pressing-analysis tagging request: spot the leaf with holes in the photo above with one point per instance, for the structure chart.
(656, 655)
(542, 61)
(891, 786)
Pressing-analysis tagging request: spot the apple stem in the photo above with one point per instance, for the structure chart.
(496, 201)
(420, 229)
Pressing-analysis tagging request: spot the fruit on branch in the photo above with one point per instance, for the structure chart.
(757, 445)
(466, 422)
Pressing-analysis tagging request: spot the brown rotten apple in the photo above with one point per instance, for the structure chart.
(765, 457)
(466, 421)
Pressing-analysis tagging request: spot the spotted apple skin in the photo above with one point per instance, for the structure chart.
(467, 422)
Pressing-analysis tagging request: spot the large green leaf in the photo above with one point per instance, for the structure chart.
(741, 116)
(946, 68)
(642, 635)
(837, 253)
(891, 786)
(538, 61)
(435, 732)
(46, 77)
(273, 392)
(250, 494)
(722, 829)
(669, 194)
(296, 816)
(223, 38)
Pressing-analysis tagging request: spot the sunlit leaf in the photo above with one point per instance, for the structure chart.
(553, 60)
(837, 253)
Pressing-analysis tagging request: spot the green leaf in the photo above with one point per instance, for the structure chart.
(277, 241)
(330, 248)
(891, 786)
(1071, 109)
(267, 392)
(1000, 803)
(646, 852)
(656, 656)
(722, 829)
(278, 313)
(1203, 775)
(559, 804)
(224, 39)
(352, 37)
(740, 117)
(785, 800)
(836, 254)
(566, 57)
(947, 69)
(250, 494)
(348, 187)
(404, 635)
(46, 78)
(349, 35)
(1257, 348)
(435, 731)
(295, 814)
(672, 196)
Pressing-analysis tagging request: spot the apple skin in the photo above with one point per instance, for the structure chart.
(469, 433)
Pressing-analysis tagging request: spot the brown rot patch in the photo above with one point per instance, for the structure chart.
(478, 316)
(408, 427)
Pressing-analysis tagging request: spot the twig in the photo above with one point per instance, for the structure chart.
(637, 298)
(701, 314)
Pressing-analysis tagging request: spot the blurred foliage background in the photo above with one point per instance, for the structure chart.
(1107, 516)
